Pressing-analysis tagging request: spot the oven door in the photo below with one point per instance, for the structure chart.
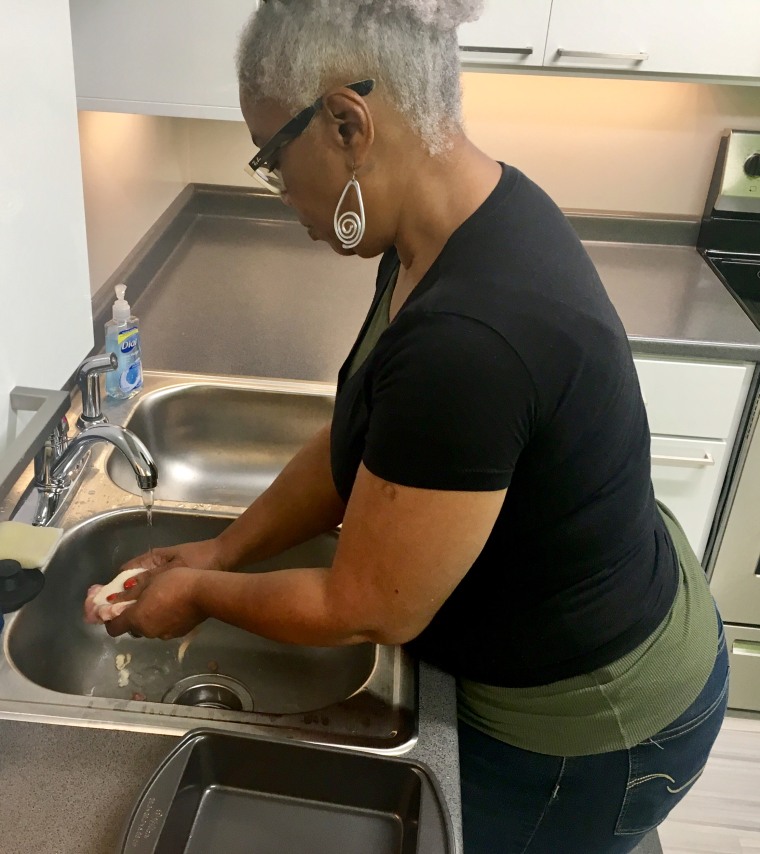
(735, 581)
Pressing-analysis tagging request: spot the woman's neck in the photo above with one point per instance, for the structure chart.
(441, 193)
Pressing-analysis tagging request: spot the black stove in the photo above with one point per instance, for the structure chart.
(741, 275)
(729, 237)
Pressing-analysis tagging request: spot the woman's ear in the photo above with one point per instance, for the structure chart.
(349, 124)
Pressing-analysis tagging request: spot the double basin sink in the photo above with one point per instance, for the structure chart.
(217, 444)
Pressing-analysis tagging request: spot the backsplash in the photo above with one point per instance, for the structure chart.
(593, 144)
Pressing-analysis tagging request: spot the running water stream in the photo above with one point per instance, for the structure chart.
(148, 498)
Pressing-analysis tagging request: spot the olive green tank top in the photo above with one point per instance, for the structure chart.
(619, 705)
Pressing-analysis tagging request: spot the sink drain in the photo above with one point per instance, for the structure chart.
(211, 691)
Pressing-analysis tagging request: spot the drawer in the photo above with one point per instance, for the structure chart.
(687, 475)
(693, 398)
(744, 657)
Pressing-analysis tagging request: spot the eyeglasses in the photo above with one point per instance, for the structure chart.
(263, 165)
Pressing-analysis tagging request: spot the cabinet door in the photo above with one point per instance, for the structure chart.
(687, 475)
(705, 37)
(508, 32)
(686, 398)
(176, 57)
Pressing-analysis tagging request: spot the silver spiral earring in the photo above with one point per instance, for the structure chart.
(350, 226)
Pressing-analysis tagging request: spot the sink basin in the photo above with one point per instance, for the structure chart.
(217, 442)
(51, 645)
(360, 694)
(220, 445)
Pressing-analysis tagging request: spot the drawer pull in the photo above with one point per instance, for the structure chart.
(594, 54)
(744, 647)
(687, 462)
(523, 51)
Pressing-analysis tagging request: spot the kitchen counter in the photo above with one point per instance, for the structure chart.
(672, 303)
(70, 790)
(298, 306)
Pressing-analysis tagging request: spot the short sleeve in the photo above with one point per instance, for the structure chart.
(451, 404)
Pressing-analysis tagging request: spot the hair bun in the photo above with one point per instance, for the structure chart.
(440, 14)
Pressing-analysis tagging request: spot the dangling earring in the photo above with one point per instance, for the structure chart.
(349, 227)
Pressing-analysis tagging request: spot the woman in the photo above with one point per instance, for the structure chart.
(488, 455)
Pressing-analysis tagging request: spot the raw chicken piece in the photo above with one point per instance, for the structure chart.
(186, 641)
(97, 608)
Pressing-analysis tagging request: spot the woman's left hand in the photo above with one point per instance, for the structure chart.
(164, 605)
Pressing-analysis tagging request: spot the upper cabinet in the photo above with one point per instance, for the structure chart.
(704, 38)
(509, 32)
(174, 58)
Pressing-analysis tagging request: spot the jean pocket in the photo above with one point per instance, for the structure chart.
(663, 768)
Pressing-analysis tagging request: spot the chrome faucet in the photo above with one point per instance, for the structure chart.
(57, 464)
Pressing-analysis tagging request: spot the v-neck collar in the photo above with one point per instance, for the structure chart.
(490, 205)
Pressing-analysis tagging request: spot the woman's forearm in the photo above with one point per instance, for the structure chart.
(300, 504)
(289, 605)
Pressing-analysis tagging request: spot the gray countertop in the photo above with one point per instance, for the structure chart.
(70, 790)
(672, 303)
(297, 306)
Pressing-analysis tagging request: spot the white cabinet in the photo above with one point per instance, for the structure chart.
(694, 409)
(705, 37)
(688, 475)
(508, 32)
(686, 398)
(175, 58)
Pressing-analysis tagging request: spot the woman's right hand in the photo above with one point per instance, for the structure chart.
(205, 554)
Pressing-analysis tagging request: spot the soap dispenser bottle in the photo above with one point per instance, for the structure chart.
(123, 339)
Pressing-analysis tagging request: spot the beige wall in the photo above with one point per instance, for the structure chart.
(617, 145)
(595, 144)
(133, 167)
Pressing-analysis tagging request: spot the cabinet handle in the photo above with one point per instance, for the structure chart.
(523, 51)
(742, 647)
(696, 462)
(593, 54)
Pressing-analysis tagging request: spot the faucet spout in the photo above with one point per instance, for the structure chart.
(138, 456)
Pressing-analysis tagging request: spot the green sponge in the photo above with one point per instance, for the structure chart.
(30, 545)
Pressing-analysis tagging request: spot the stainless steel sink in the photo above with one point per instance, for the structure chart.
(50, 644)
(55, 667)
(220, 444)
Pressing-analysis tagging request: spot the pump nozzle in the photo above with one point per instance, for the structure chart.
(121, 309)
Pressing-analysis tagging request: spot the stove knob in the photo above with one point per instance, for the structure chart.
(752, 165)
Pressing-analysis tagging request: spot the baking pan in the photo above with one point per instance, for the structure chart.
(239, 794)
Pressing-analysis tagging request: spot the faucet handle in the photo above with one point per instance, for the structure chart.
(55, 444)
(89, 384)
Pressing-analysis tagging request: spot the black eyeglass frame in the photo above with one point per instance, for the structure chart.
(297, 125)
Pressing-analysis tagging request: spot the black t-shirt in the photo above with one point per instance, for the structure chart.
(508, 367)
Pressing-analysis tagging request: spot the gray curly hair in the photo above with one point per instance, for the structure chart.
(290, 49)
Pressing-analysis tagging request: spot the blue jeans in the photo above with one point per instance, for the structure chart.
(518, 802)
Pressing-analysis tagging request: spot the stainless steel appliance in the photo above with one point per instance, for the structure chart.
(730, 241)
